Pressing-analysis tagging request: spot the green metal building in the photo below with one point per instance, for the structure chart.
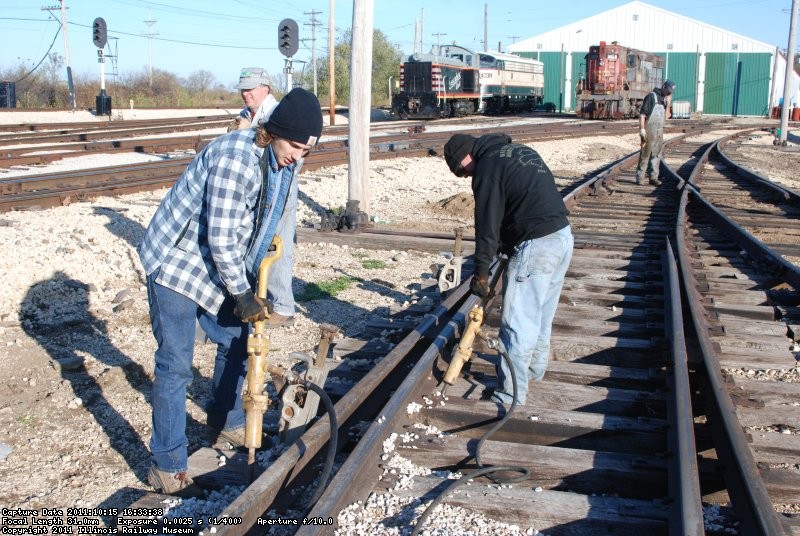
(716, 71)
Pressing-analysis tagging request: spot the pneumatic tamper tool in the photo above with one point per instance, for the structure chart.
(475, 318)
(254, 397)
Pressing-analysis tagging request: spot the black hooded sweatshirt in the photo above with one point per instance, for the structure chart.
(516, 198)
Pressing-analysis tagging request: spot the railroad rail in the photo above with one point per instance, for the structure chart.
(660, 403)
(648, 418)
(55, 189)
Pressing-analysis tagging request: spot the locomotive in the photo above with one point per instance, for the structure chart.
(616, 82)
(454, 81)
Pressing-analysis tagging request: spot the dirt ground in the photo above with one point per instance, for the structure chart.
(75, 342)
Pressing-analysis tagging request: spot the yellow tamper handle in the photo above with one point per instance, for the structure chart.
(254, 399)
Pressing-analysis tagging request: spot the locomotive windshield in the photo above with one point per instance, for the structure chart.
(488, 62)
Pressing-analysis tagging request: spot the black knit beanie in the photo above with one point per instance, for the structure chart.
(459, 146)
(297, 117)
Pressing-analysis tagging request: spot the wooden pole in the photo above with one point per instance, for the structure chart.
(70, 84)
(331, 70)
(486, 27)
(360, 103)
(788, 86)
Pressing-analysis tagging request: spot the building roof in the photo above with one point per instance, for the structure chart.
(643, 26)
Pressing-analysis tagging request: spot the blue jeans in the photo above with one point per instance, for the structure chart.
(532, 286)
(173, 317)
(280, 276)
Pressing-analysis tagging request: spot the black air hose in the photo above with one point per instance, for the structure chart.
(482, 470)
(332, 443)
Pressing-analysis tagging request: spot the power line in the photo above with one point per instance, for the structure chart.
(116, 32)
(26, 75)
(198, 13)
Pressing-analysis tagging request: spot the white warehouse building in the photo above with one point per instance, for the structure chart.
(718, 72)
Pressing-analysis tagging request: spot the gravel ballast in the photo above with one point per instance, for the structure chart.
(76, 350)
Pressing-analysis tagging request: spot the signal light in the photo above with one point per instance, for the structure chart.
(288, 37)
(99, 32)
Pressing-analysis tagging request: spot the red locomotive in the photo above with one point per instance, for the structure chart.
(616, 82)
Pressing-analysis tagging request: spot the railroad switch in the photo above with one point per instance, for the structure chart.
(449, 275)
(298, 404)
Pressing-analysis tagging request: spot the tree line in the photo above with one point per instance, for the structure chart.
(46, 86)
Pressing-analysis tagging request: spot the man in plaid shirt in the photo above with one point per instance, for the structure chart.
(201, 253)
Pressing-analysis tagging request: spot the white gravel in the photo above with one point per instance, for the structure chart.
(74, 290)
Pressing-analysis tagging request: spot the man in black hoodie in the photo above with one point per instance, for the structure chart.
(518, 211)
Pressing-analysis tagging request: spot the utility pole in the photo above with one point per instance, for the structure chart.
(314, 23)
(360, 104)
(150, 34)
(421, 30)
(70, 85)
(438, 35)
(513, 38)
(416, 27)
(486, 27)
(331, 70)
(787, 81)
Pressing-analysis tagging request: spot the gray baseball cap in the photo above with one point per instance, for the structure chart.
(252, 77)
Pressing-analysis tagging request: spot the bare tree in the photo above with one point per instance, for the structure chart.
(200, 81)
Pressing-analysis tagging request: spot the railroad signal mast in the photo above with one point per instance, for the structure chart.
(288, 43)
(100, 38)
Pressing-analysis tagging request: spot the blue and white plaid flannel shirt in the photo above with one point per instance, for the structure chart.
(201, 232)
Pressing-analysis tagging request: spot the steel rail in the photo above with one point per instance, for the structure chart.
(686, 510)
(782, 268)
(257, 497)
(686, 517)
(356, 475)
(91, 135)
(93, 125)
(745, 485)
(783, 192)
(683, 487)
(350, 479)
(334, 152)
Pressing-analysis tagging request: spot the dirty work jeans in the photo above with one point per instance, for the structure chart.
(173, 317)
(532, 284)
(279, 285)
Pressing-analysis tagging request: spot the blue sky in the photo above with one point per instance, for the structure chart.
(224, 35)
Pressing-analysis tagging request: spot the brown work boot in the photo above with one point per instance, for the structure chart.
(228, 439)
(178, 484)
(638, 179)
(277, 320)
(654, 181)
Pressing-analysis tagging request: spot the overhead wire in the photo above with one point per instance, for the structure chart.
(46, 54)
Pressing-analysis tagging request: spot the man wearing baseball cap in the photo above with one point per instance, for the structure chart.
(656, 109)
(201, 253)
(254, 85)
(259, 104)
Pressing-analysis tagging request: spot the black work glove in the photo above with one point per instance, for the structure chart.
(250, 308)
(480, 285)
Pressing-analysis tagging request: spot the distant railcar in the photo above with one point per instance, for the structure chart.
(616, 81)
(455, 81)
